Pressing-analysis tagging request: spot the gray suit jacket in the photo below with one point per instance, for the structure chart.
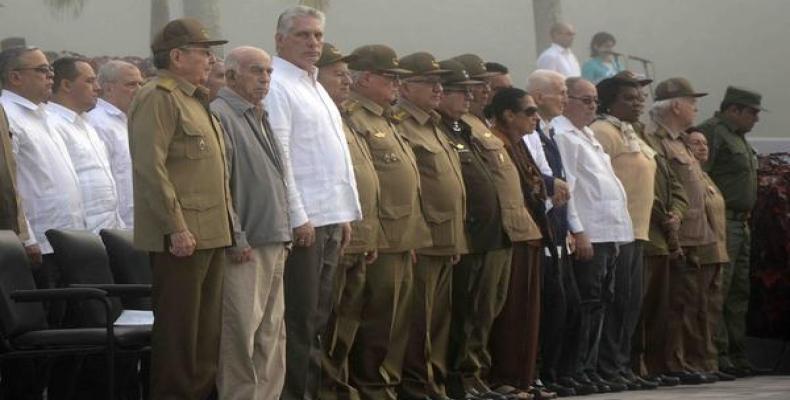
(257, 178)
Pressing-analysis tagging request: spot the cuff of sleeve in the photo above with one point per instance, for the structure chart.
(298, 218)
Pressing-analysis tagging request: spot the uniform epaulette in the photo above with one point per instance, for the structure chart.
(400, 115)
(167, 83)
(350, 106)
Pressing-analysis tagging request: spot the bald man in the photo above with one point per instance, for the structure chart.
(559, 57)
(252, 348)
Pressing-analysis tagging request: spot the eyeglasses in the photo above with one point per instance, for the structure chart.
(41, 69)
(586, 100)
(529, 111)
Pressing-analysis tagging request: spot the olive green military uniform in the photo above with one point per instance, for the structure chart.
(732, 165)
(180, 183)
(444, 208)
(348, 292)
(376, 358)
(11, 215)
(670, 198)
(694, 232)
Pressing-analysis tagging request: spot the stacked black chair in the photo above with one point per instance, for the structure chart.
(84, 263)
(24, 333)
(128, 265)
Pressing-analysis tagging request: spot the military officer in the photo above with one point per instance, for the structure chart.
(182, 209)
(366, 237)
(732, 165)
(376, 359)
(481, 92)
(443, 204)
(496, 218)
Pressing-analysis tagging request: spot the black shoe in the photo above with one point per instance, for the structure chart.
(710, 377)
(487, 395)
(561, 390)
(688, 378)
(646, 384)
(613, 386)
(737, 372)
(664, 380)
(629, 384)
(582, 389)
(724, 377)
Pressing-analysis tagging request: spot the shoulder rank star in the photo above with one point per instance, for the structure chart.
(501, 157)
(459, 146)
(487, 134)
(379, 134)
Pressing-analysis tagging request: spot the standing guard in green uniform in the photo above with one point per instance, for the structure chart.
(444, 207)
(732, 165)
(376, 358)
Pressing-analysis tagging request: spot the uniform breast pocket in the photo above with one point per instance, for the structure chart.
(197, 144)
(495, 155)
(683, 166)
(433, 160)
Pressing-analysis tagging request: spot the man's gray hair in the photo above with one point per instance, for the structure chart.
(286, 19)
(659, 109)
(111, 70)
(234, 58)
(10, 60)
(541, 80)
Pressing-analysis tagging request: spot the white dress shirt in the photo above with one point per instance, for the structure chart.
(320, 177)
(111, 125)
(560, 59)
(47, 181)
(598, 204)
(99, 195)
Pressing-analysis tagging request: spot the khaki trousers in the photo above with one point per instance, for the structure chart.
(376, 360)
(699, 346)
(252, 345)
(187, 302)
(425, 366)
(348, 298)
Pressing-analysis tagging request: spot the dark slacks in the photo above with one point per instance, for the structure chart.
(623, 316)
(560, 318)
(308, 281)
(425, 365)
(187, 303)
(480, 287)
(655, 314)
(595, 280)
(376, 359)
(515, 334)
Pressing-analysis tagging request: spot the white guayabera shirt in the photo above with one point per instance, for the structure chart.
(99, 195)
(320, 177)
(600, 208)
(47, 181)
(112, 126)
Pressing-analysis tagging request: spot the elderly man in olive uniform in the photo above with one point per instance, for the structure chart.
(481, 92)
(496, 217)
(362, 250)
(182, 210)
(376, 363)
(443, 204)
(732, 165)
(673, 112)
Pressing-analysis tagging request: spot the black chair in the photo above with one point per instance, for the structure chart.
(84, 263)
(23, 326)
(128, 265)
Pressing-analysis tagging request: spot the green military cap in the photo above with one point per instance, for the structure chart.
(183, 32)
(458, 76)
(749, 98)
(422, 63)
(330, 55)
(675, 87)
(376, 58)
(475, 66)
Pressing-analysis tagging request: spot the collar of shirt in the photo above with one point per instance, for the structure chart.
(13, 97)
(67, 114)
(563, 124)
(188, 88)
(418, 113)
(731, 126)
(560, 49)
(369, 104)
(290, 70)
(110, 108)
(239, 104)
